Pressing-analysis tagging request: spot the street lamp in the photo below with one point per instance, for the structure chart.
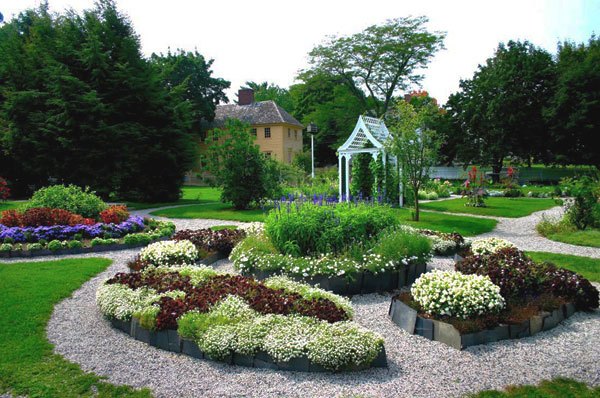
(312, 130)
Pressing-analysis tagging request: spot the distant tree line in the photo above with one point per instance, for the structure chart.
(523, 104)
(80, 104)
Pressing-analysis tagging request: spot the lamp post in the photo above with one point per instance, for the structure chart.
(312, 130)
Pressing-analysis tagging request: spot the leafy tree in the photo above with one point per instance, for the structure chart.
(188, 78)
(414, 145)
(245, 175)
(82, 106)
(381, 60)
(574, 112)
(323, 99)
(266, 91)
(362, 176)
(500, 110)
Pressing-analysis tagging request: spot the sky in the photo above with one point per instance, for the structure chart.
(266, 40)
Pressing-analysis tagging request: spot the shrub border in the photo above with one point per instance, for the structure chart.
(81, 250)
(364, 283)
(409, 320)
(170, 340)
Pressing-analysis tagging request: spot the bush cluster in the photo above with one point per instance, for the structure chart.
(170, 252)
(71, 198)
(520, 278)
(42, 216)
(114, 214)
(303, 228)
(207, 240)
(450, 293)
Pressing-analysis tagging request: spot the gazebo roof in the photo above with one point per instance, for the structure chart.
(367, 130)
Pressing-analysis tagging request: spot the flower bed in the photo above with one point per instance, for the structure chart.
(277, 323)
(66, 239)
(222, 241)
(391, 259)
(499, 295)
(443, 244)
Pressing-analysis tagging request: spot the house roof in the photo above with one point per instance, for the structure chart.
(263, 112)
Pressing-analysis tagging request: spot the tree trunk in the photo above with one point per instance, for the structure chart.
(496, 169)
(416, 216)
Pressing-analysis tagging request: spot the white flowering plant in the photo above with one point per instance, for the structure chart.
(170, 252)
(451, 293)
(489, 245)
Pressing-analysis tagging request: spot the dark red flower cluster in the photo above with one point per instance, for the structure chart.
(4, 189)
(115, 214)
(222, 241)
(42, 216)
(520, 277)
(202, 297)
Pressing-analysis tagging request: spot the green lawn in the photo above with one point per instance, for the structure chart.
(8, 205)
(585, 266)
(191, 195)
(557, 388)
(499, 207)
(28, 292)
(588, 237)
(218, 211)
(466, 226)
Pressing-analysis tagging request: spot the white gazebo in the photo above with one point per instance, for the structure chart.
(368, 130)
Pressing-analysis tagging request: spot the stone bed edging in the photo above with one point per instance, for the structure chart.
(170, 340)
(365, 283)
(409, 320)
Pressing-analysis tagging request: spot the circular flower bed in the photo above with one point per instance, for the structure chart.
(499, 295)
(381, 259)
(274, 322)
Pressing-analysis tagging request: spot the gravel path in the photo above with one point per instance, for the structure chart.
(417, 367)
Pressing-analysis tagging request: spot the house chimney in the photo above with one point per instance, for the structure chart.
(245, 96)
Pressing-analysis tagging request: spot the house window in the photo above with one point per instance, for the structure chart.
(290, 155)
(267, 132)
(253, 131)
(296, 134)
(289, 133)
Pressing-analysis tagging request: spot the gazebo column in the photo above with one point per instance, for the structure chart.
(340, 157)
(348, 161)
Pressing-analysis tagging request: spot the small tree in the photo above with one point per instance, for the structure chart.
(414, 145)
(246, 176)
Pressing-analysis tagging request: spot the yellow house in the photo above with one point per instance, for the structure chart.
(277, 133)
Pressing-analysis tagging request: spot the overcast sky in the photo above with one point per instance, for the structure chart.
(269, 40)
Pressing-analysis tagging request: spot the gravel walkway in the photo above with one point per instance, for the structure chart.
(417, 367)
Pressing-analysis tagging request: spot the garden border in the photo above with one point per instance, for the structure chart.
(408, 319)
(81, 250)
(170, 340)
(365, 283)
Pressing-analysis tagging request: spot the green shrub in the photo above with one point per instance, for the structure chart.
(432, 196)
(103, 242)
(6, 247)
(55, 245)
(548, 227)
(305, 228)
(74, 244)
(512, 193)
(71, 198)
(138, 239)
(34, 247)
(43, 242)
(397, 243)
(9, 241)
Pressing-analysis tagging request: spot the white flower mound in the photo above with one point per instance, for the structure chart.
(455, 294)
(170, 252)
(489, 245)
